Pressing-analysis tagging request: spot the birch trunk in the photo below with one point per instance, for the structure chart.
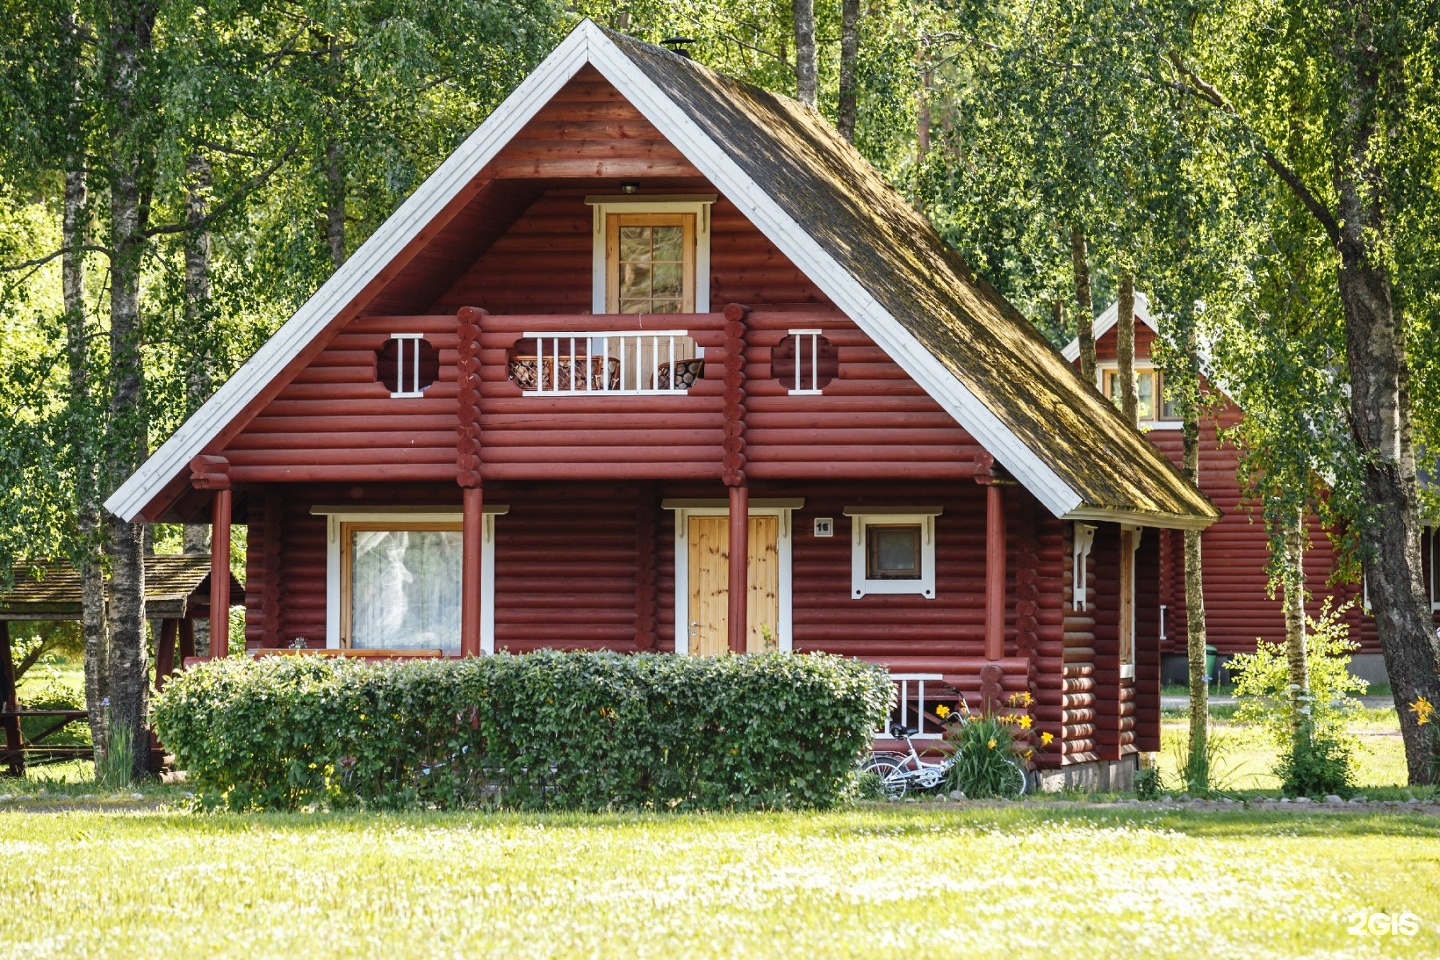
(1380, 404)
(334, 164)
(1198, 775)
(1296, 656)
(1125, 349)
(200, 327)
(805, 69)
(1085, 307)
(849, 53)
(87, 489)
(127, 41)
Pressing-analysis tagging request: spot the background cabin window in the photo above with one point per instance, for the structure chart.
(893, 552)
(1149, 384)
(400, 586)
(407, 364)
(650, 261)
(804, 361)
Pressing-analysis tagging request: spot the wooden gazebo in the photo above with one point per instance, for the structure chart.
(177, 593)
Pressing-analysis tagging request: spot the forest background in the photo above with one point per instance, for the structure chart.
(178, 177)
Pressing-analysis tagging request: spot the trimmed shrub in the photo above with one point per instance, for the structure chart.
(580, 731)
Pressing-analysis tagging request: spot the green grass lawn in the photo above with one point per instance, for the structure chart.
(1246, 758)
(1025, 880)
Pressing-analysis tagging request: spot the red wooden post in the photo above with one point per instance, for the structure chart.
(994, 571)
(732, 472)
(472, 538)
(10, 703)
(210, 472)
(187, 639)
(220, 576)
(165, 652)
(467, 474)
(739, 570)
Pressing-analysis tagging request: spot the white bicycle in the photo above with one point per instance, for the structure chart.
(900, 773)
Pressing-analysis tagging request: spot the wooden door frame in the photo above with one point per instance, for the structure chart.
(684, 510)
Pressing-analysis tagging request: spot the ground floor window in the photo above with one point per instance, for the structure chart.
(893, 552)
(400, 586)
(394, 579)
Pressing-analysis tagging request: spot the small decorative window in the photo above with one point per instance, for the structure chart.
(407, 364)
(893, 552)
(804, 361)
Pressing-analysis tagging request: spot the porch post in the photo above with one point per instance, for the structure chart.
(209, 472)
(187, 640)
(165, 652)
(994, 567)
(467, 475)
(220, 576)
(732, 472)
(10, 703)
(472, 538)
(739, 568)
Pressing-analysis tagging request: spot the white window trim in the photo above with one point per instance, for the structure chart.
(1127, 668)
(813, 335)
(684, 510)
(335, 516)
(602, 206)
(1154, 423)
(1079, 569)
(400, 379)
(862, 517)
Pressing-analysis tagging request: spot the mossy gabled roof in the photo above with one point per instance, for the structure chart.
(866, 226)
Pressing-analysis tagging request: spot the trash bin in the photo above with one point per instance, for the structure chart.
(1211, 655)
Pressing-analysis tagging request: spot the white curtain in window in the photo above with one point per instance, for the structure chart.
(405, 589)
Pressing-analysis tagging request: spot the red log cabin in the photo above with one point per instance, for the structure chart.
(1235, 551)
(655, 361)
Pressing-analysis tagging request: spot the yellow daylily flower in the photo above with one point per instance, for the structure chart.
(1423, 710)
(1025, 722)
(1046, 737)
(942, 711)
(992, 743)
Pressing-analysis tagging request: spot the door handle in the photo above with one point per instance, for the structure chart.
(694, 628)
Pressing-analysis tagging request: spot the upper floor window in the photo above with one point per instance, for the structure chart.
(651, 254)
(407, 364)
(1149, 385)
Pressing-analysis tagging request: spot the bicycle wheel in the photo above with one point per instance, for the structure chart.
(1017, 780)
(893, 780)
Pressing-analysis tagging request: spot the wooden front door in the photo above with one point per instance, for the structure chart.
(709, 559)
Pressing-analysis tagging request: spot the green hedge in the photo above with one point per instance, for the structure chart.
(566, 730)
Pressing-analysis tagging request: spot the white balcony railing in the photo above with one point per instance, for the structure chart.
(563, 364)
(910, 705)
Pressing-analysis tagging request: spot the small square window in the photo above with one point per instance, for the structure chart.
(893, 552)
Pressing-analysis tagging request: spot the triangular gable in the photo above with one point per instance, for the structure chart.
(1107, 321)
(831, 214)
